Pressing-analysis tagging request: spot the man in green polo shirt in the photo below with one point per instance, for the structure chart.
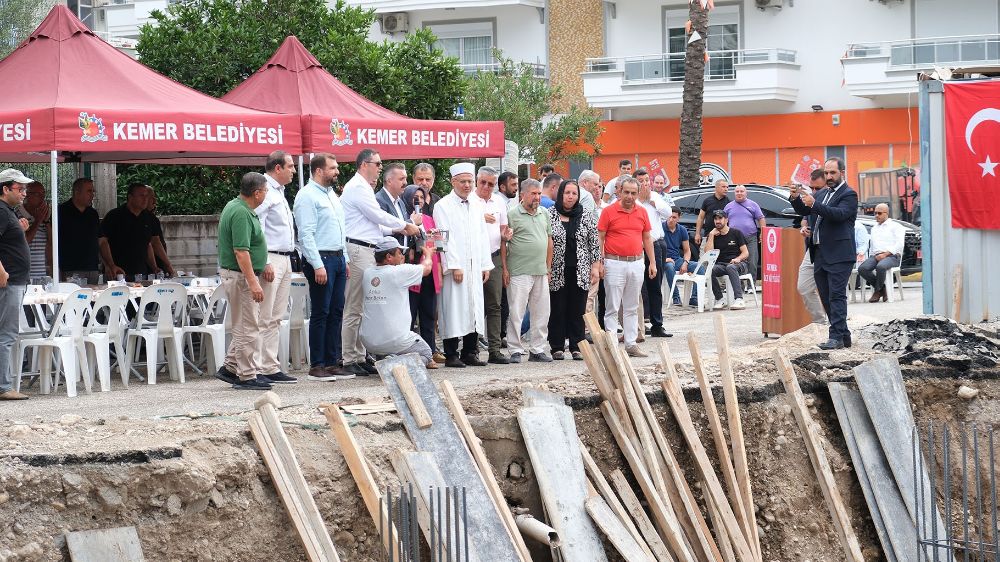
(527, 263)
(242, 257)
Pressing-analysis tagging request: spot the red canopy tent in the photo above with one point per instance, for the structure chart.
(338, 120)
(72, 97)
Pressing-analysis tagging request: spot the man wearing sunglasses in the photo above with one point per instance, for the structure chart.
(887, 240)
(14, 267)
(366, 224)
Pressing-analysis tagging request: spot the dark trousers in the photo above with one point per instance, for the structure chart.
(567, 306)
(327, 310)
(874, 271)
(492, 297)
(731, 271)
(600, 304)
(504, 312)
(831, 282)
(470, 346)
(652, 289)
(423, 310)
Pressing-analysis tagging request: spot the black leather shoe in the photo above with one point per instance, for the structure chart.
(369, 368)
(498, 358)
(659, 332)
(831, 344)
(847, 340)
(473, 361)
(454, 362)
(356, 369)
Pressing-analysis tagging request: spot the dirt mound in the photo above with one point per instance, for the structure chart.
(930, 342)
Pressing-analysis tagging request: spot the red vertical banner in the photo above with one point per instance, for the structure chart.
(771, 272)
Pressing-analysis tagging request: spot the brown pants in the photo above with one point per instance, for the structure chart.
(243, 356)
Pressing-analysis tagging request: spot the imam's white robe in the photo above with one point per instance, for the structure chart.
(468, 248)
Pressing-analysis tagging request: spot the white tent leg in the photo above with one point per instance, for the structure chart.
(54, 232)
(302, 178)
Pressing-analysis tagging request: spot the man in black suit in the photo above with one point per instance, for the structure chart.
(393, 184)
(830, 242)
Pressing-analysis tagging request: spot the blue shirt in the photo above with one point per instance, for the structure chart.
(319, 217)
(546, 202)
(675, 240)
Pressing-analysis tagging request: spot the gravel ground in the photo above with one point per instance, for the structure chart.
(205, 394)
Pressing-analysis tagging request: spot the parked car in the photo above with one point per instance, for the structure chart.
(778, 212)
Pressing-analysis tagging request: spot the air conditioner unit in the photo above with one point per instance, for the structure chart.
(398, 22)
(765, 4)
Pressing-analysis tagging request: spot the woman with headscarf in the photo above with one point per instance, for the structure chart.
(423, 297)
(576, 262)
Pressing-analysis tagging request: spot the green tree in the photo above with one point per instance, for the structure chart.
(528, 106)
(18, 18)
(214, 45)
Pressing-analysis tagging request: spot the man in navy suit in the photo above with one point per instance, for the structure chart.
(393, 184)
(830, 242)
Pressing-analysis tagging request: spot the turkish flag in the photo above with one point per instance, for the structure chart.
(972, 150)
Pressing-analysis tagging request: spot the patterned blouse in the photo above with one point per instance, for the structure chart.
(588, 249)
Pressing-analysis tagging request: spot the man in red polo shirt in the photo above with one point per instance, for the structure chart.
(623, 231)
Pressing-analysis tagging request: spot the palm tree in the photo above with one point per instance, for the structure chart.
(693, 98)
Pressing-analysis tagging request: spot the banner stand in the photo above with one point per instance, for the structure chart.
(782, 309)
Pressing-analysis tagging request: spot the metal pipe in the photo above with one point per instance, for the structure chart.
(54, 230)
(535, 529)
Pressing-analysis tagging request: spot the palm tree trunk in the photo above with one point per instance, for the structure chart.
(694, 98)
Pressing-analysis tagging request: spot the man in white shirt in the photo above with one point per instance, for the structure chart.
(387, 302)
(495, 216)
(624, 169)
(279, 234)
(507, 187)
(652, 289)
(887, 240)
(465, 265)
(588, 181)
(365, 223)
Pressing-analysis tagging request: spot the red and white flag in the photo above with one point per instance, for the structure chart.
(972, 151)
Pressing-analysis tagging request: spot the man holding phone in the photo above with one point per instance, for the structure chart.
(495, 215)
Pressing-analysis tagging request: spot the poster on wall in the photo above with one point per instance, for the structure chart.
(771, 273)
(803, 169)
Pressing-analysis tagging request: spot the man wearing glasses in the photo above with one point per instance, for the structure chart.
(366, 224)
(14, 267)
(887, 240)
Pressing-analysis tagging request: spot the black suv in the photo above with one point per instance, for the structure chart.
(778, 211)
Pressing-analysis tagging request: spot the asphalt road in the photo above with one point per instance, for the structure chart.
(205, 394)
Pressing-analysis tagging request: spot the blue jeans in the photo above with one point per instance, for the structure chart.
(10, 307)
(670, 270)
(327, 311)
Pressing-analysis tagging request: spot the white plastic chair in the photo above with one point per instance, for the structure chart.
(294, 330)
(210, 326)
(749, 287)
(105, 329)
(65, 336)
(64, 287)
(894, 283)
(699, 280)
(155, 326)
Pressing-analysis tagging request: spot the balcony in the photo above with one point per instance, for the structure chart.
(887, 70)
(733, 79)
(537, 69)
(387, 6)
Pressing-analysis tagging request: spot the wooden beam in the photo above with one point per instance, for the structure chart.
(411, 396)
(735, 420)
(841, 520)
(599, 335)
(605, 491)
(615, 531)
(957, 285)
(485, 468)
(362, 474)
(596, 369)
(631, 502)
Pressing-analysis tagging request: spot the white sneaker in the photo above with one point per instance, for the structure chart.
(719, 305)
(738, 304)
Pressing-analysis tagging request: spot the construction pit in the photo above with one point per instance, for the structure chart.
(196, 488)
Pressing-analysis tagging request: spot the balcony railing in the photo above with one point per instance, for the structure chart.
(537, 68)
(925, 53)
(669, 67)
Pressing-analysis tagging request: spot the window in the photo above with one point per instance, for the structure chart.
(722, 42)
(471, 43)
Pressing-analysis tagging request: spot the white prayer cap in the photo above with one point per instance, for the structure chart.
(462, 168)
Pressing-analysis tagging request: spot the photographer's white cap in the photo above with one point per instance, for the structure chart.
(10, 174)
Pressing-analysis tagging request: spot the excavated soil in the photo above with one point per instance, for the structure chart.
(196, 488)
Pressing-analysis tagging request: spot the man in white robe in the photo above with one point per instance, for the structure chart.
(465, 264)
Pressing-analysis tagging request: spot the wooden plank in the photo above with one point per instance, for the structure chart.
(483, 464)
(642, 521)
(553, 447)
(724, 543)
(881, 385)
(690, 517)
(362, 474)
(105, 545)
(666, 520)
(362, 409)
(316, 543)
(712, 486)
(956, 293)
(596, 369)
(828, 485)
(421, 470)
(617, 534)
(600, 338)
(735, 420)
(605, 491)
(417, 409)
(849, 416)
(719, 437)
(487, 532)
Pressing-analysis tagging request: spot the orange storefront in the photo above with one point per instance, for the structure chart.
(766, 148)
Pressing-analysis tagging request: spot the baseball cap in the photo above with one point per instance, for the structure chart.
(10, 174)
(720, 213)
(387, 243)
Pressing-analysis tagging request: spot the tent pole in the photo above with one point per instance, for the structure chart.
(54, 231)
(302, 180)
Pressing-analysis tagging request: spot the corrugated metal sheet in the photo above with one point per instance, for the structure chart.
(946, 248)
